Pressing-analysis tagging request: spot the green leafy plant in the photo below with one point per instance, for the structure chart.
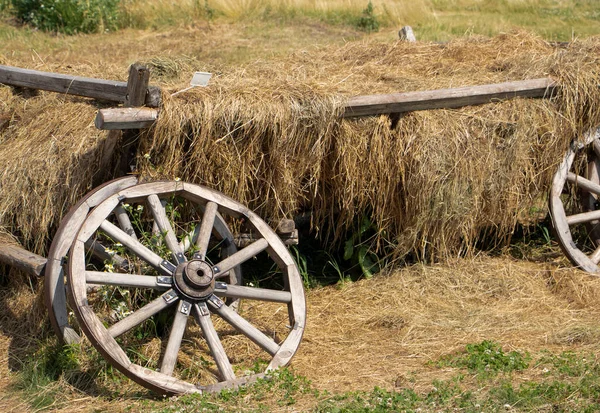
(68, 16)
(357, 249)
(488, 358)
(368, 21)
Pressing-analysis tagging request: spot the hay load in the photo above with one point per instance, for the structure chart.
(270, 135)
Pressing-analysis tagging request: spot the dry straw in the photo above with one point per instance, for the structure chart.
(270, 135)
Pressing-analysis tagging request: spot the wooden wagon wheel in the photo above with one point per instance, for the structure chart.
(54, 282)
(162, 279)
(578, 233)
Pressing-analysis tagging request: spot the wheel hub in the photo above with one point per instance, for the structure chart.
(195, 280)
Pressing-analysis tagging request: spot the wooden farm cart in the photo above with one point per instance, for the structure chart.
(121, 237)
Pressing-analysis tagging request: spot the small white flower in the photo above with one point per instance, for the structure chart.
(147, 156)
(177, 179)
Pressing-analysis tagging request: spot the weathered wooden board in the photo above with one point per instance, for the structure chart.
(372, 105)
(448, 98)
(22, 259)
(111, 90)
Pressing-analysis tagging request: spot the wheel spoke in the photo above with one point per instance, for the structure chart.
(583, 217)
(142, 314)
(179, 323)
(138, 248)
(251, 293)
(242, 325)
(128, 280)
(208, 220)
(202, 316)
(595, 256)
(162, 221)
(124, 221)
(223, 267)
(583, 183)
(100, 252)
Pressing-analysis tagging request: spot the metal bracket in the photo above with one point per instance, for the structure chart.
(170, 296)
(203, 309)
(164, 280)
(180, 257)
(220, 285)
(186, 308)
(214, 300)
(168, 266)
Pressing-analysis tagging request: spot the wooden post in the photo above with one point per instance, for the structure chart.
(406, 33)
(22, 259)
(137, 85)
(125, 118)
(81, 86)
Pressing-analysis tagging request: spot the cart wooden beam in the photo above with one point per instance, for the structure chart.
(110, 90)
(372, 105)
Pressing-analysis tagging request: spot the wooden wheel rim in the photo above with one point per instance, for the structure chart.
(54, 286)
(102, 338)
(561, 222)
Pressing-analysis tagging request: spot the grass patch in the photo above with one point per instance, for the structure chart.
(567, 381)
(487, 359)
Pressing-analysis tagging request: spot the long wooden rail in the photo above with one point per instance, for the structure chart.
(448, 98)
(372, 105)
(110, 90)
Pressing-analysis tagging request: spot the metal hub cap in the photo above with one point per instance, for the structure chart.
(195, 279)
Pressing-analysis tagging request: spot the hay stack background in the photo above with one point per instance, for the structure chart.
(269, 135)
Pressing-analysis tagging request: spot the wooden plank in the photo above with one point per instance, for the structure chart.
(164, 226)
(584, 183)
(125, 118)
(135, 246)
(175, 337)
(111, 90)
(202, 316)
(285, 226)
(124, 221)
(206, 226)
(124, 280)
(22, 259)
(223, 267)
(583, 217)
(371, 105)
(243, 240)
(448, 98)
(140, 315)
(252, 293)
(137, 85)
(406, 33)
(243, 326)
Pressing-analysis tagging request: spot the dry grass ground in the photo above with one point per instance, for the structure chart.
(379, 332)
(383, 332)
